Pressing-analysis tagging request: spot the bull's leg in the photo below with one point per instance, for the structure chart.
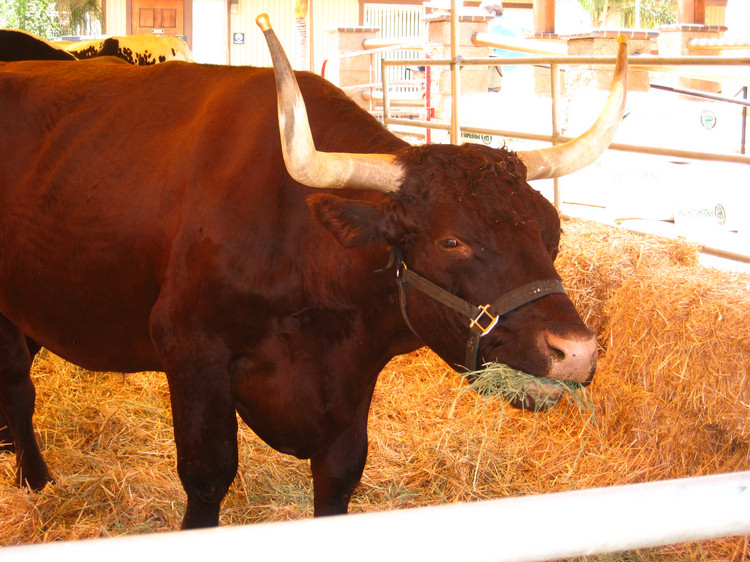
(6, 437)
(337, 471)
(205, 423)
(17, 397)
(205, 430)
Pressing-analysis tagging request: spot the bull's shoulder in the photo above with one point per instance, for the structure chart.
(340, 124)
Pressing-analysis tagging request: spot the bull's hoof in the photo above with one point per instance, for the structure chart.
(35, 482)
(199, 515)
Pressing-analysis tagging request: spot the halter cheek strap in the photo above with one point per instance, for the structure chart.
(481, 319)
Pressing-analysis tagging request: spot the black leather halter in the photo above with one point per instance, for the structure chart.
(482, 319)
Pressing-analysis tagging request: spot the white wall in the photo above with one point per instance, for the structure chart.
(115, 21)
(326, 14)
(737, 19)
(210, 31)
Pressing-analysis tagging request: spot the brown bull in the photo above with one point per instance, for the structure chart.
(143, 230)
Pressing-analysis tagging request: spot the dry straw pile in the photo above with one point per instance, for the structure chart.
(671, 399)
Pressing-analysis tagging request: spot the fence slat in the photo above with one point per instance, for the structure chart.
(522, 529)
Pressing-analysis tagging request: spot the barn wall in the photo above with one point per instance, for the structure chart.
(242, 20)
(116, 19)
(715, 15)
(737, 18)
(396, 21)
(326, 14)
(210, 44)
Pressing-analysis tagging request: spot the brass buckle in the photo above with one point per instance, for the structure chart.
(483, 312)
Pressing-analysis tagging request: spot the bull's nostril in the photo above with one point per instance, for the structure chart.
(557, 354)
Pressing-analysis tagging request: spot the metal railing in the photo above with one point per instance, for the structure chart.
(649, 62)
(371, 48)
(548, 55)
(706, 67)
(647, 515)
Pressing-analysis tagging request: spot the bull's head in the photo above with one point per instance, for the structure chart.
(464, 218)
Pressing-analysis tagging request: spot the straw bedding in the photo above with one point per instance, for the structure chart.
(671, 399)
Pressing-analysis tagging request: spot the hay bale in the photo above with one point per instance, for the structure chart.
(680, 353)
(673, 377)
(595, 260)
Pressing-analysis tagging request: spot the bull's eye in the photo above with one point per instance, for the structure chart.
(454, 248)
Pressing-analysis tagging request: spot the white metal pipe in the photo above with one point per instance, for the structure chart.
(522, 529)
(638, 61)
(455, 133)
(520, 45)
(641, 149)
(556, 130)
(390, 43)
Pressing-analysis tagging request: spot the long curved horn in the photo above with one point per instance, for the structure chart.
(578, 153)
(303, 161)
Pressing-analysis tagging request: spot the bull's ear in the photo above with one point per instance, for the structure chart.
(352, 223)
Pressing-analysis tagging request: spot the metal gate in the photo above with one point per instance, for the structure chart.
(396, 21)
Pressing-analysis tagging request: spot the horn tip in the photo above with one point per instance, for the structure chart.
(263, 22)
(621, 39)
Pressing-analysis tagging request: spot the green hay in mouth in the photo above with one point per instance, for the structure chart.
(500, 380)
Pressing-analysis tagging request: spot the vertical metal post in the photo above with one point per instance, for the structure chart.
(455, 82)
(555, 90)
(386, 99)
(311, 35)
(428, 101)
(691, 11)
(744, 120)
(544, 16)
(372, 80)
(302, 35)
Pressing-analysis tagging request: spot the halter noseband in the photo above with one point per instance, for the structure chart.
(482, 319)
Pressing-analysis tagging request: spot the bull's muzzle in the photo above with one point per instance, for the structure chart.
(571, 358)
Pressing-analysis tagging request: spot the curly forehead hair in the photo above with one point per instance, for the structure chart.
(459, 170)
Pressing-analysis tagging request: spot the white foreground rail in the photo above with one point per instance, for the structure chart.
(522, 529)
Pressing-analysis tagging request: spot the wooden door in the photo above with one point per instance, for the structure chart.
(160, 17)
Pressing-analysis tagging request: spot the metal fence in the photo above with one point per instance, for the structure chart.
(648, 62)
(396, 21)
(520, 529)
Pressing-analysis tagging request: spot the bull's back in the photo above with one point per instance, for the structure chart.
(105, 169)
